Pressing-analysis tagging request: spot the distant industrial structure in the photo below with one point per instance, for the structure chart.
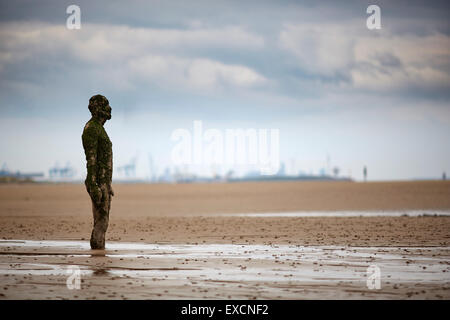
(7, 175)
(128, 170)
(178, 175)
(57, 173)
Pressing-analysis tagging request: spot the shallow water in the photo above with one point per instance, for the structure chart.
(275, 271)
(409, 213)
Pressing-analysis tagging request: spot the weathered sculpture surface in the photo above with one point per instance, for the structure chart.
(98, 150)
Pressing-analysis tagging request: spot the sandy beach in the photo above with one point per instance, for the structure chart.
(199, 223)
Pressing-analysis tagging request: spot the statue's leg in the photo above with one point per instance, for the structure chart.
(101, 220)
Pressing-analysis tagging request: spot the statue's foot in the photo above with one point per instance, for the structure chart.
(97, 247)
(97, 239)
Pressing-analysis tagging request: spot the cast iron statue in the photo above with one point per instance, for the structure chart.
(98, 150)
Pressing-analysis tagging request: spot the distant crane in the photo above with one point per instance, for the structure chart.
(4, 171)
(57, 172)
(151, 166)
(129, 169)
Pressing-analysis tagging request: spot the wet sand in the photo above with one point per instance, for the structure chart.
(39, 270)
(200, 224)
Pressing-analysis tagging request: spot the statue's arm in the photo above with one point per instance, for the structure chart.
(90, 144)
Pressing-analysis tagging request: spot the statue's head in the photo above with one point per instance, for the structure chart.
(100, 108)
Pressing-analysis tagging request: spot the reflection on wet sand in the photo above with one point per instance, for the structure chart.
(100, 272)
(38, 270)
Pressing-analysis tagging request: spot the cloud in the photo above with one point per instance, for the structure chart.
(361, 60)
(95, 42)
(161, 56)
(319, 49)
(194, 73)
(311, 69)
(394, 62)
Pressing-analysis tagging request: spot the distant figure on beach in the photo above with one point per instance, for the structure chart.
(98, 151)
(444, 176)
(365, 173)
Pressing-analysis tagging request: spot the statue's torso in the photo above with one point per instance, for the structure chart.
(103, 152)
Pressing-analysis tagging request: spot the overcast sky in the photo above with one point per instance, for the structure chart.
(311, 69)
